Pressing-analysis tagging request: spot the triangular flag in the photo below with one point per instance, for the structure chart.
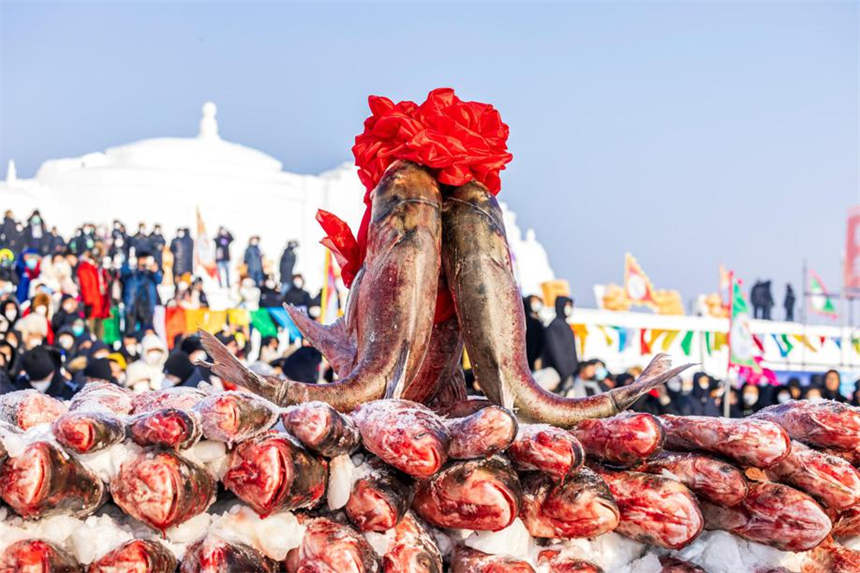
(758, 342)
(820, 301)
(687, 343)
(668, 339)
(708, 342)
(783, 351)
(637, 285)
(838, 342)
(606, 336)
(803, 339)
(720, 340)
(644, 346)
(580, 333)
(788, 345)
(622, 337)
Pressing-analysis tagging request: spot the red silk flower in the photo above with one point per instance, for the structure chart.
(459, 141)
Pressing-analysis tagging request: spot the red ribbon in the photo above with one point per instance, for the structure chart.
(458, 141)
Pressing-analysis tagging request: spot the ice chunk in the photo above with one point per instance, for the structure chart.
(513, 540)
(341, 478)
(380, 541)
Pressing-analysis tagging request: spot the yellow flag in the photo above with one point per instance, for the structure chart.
(580, 331)
(668, 339)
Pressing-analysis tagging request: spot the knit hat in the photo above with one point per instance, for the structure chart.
(39, 363)
(178, 364)
(99, 369)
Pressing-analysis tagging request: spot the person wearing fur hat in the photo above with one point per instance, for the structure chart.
(148, 369)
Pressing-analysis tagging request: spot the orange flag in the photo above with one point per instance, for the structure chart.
(637, 285)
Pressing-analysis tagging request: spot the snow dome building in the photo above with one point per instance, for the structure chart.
(166, 179)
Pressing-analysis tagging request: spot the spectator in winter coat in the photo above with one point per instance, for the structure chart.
(750, 399)
(10, 233)
(56, 243)
(287, 264)
(67, 313)
(40, 370)
(830, 387)
(28, 268)
(147, 372)
(222, 256)
(36, 234)
(270, 296)
(118, 241)
(156, 243)
(140, 241)
(182, 247)
(140, 294)
(297, 295)
(682, 402)
(253, 260)
(94, 284)
(560, 344)
(535, 335)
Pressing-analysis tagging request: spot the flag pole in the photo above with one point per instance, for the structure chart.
(727, 385)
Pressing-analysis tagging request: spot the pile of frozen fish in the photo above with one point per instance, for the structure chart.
(204, 480)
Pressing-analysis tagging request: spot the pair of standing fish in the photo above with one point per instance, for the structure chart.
(422, 240)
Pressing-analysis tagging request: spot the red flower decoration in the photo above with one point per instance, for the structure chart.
(459, 141)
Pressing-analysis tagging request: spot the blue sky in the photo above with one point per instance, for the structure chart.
(688, 133)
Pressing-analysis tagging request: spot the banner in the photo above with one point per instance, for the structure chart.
(330, 304)
(851, 279)
(742, 348)
(637, 285)
(820, 301)
(204, 249)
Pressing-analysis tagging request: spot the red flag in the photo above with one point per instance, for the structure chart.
(637, 285)
(852, 249)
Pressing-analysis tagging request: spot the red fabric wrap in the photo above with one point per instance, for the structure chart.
(458, 141)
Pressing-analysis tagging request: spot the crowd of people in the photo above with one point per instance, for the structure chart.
(552, 356)
(57, 295)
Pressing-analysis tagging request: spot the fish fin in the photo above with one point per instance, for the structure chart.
(227, 367)
(332, 340)
(394, 388)
(657, 372)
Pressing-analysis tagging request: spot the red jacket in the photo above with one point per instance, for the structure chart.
(94, 290)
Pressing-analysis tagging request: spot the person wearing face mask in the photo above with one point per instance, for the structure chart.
(33, 329)
(140, 241)
(94, 284)
(28, 269)
(782, 395)
(535, 331)
(56, 243)
(36, 234)
(270, 296)
(182, 248)
(297, 295)
(750, 398)
(253, 260)
(813, 393)
(682, 402)
(10, 237)
(66, 314)
(11, 311)
(65, 341)
(156, 243)
(40, 370)
(151, 363)
(130, 348)
(222, 256)
(560, 343)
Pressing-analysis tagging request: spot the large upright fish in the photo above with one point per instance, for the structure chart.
(394, 300)
(490, 311)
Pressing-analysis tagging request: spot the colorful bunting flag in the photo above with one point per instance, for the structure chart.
(782, 344)
(708, 342)
(580, 333)
(668, 339)
(644, 346)
(687, 343)
(804, 340)
(606, 336)
(261, 321)
(720, 340)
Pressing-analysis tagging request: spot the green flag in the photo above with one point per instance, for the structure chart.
(687, 342)
(262, 321)
(820, 300)
(742, 347)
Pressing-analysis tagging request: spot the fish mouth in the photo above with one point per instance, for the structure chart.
(77, 433)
